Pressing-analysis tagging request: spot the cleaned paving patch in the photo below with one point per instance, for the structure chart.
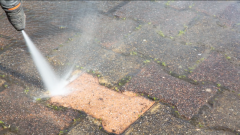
(188, 98)
(158, 120)
(225, 113)
(18, 110)
(117, 111)
(219, 70)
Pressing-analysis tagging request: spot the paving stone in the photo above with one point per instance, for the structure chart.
(17, 109)
(218, 69)
(225, 113)
(117, 111)
(87, 127)
(158, 121)
(169, 20)
(188, 98)
(176, 55)
(214, 34)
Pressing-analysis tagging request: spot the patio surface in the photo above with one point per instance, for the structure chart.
(142, 67)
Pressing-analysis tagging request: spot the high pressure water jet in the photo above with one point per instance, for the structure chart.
(16, 16)
(51, 81)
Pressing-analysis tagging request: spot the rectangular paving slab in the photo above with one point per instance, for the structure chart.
(187, 97)
(116, 111)
(219, 70)
(20, 111)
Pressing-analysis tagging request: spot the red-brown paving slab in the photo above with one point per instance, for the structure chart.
(188, 98)
(117, 111)
(216, 68)
(17, 109)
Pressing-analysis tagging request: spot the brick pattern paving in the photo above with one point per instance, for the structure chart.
(149, 28)
(188, 98)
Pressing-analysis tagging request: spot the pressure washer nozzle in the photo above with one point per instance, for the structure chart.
(15, 13)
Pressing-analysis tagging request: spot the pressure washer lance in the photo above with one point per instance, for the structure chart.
(15, 13)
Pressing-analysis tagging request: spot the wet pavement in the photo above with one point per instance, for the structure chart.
(181, 56)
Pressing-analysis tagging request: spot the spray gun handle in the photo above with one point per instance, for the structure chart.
(15, 13)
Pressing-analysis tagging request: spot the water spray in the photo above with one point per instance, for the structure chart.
(54, 85)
